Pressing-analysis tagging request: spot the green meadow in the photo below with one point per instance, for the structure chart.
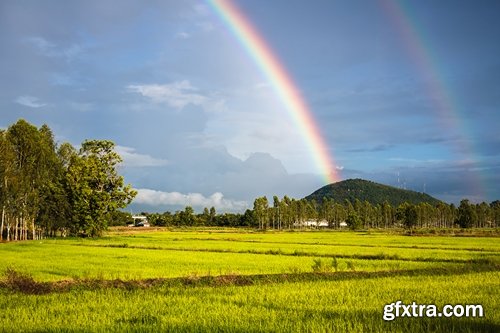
(239, 280)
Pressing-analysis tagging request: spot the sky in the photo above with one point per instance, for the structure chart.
(405, 93)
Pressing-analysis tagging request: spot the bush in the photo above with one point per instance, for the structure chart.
(350, 266)
(319, 266)
(24, 283)
(335, 264)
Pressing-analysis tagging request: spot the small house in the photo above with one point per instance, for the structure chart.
(140, 221)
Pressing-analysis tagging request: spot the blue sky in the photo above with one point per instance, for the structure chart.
(198, 124)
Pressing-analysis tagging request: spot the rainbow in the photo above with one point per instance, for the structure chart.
(441, 96)
(282, 83)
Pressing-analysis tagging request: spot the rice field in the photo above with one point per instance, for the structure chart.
(240, 280)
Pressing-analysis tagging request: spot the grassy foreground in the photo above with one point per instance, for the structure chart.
(229, 280)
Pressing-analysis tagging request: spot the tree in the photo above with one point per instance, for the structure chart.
(6, 167)
(410, 216)
(260, 209)
(30, 154)
(44, 189)
(248, 219)
(186, 217)
(120, 218)
(387, 214)
(327, 211)
(354, 221)
(495, 207)
(285, 212)
(443, 212)
(484, 214)
(204, 217)
(95, 187)
(407, 214)
(213, 215)
(276, 212)
(467, 216)
(54, 211)
(339, 214)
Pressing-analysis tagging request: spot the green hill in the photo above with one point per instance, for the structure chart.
(372, 192)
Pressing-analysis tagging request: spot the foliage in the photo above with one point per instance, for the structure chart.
(374, 193)
(335, 264)
(354, 221)
(120, 218)
(292, 214)
(261, 211)
(408, 215)
(467, 215)
(30, 181)
(96, 189)
(319, 266)
(46, 188)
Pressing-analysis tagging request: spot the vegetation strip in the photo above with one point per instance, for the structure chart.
(332, 244)
(19, 282)
(298, 253)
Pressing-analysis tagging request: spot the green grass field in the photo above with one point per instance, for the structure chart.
(239, 280)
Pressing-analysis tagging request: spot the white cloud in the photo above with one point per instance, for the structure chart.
(182, 35)
(262, 85)
(413, 161)
(180, 94)
(201, 10)
(29, 101)
(59, 79)
(159, 198)
(40, 44)
(48, 49)
(206, 26)
(177, 94)
(133, 159)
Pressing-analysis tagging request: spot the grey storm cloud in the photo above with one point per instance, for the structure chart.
(197, 123)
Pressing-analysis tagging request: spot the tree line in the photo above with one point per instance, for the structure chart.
(287, 213)
(46, 188)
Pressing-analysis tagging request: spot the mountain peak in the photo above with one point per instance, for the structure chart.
(365, 190)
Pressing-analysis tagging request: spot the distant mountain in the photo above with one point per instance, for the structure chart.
(372, 192)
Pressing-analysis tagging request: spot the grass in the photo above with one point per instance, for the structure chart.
(228, 280)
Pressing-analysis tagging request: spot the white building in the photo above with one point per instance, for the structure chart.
(140, 221)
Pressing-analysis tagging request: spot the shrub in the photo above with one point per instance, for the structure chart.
(335, 264)
(350, 266)
(24, 283)
(319, 266)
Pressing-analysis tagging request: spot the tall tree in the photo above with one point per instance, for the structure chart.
(213, 215)
(407, 214)
(261, 211)
(483, 214)
(495, 214)
(410, 218)
(353, 221)
(276, 212)
(187, 217)
(28, 173)
(54, 213)
(95, 187)
(6, 179)
(467, 216)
